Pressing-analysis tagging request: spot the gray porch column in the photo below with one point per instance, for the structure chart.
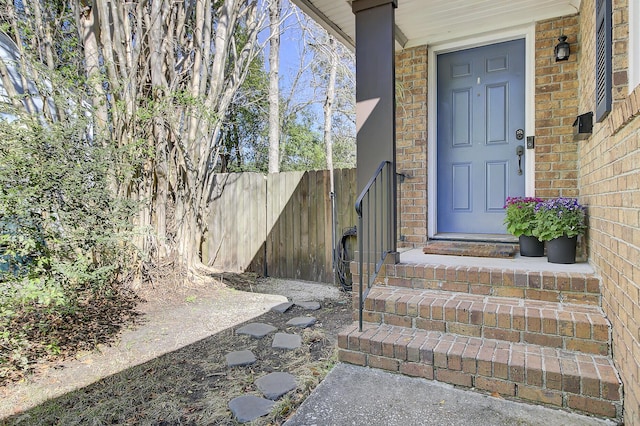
(375, 90)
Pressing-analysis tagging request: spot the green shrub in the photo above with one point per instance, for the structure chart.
(63, 236)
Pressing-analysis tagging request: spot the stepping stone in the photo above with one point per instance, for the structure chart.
(256, 329)
(309, 305)
(283, 307)
(248, 407)
(286, 341)
(274, 385)
(240, 358)
(302, 322)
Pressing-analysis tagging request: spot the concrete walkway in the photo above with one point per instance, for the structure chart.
(353, 395)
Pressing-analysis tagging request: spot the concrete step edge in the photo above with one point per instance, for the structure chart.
(572, 327)
(580, 288)
(588, 375)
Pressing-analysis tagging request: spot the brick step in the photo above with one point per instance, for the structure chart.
(582, 328)
(583, 382)
(567, 287)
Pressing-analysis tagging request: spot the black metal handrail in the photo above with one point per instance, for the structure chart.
(376, 221)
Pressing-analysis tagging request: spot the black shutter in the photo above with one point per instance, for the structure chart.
(603, 59)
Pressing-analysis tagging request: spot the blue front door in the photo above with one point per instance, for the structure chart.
(480, 130)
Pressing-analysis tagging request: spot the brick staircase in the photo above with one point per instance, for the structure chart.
(534, 333)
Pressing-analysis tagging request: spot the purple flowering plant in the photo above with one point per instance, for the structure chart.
(557, 217)
(520, 215)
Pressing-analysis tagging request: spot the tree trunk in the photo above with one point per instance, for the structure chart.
(160, 76)
(8, 85)
(46, 37)
(274, 89)
(328, 108)
(89, 33)
(159, 131)
(23, 69)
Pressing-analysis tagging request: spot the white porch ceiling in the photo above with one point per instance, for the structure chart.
(421, 22)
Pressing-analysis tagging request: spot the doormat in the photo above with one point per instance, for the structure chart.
(468, 248)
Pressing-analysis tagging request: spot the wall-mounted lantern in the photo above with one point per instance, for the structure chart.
(562, 49)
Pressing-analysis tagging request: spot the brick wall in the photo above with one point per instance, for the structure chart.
(556, 100)
(609, 184)
(556, 107)
(411, 144)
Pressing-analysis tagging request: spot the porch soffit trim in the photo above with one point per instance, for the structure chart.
(316, 14)
(360, 5)
(400, 37)
(333, 16)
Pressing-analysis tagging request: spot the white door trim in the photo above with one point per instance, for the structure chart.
(528, 33)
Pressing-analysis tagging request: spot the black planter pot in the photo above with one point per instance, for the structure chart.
(562, 250)
(530, 246)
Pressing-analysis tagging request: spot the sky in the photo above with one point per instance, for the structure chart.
(291, 48)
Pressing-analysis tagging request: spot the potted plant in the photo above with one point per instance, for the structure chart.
(520, 221)
(559, 221)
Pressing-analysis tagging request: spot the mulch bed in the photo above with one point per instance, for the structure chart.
(193, 385)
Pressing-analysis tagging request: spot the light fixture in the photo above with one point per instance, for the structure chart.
(562, 49)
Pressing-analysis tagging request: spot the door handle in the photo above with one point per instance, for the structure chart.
(520, 153)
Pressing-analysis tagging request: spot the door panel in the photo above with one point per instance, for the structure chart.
(462, 181)
(480, 104)
(497, 114)
(462, 118)
(496, 186)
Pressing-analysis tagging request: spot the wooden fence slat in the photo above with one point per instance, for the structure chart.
(251, 238)
(232, 204)
(281, 188)
(274, 270)
(249, 243)
(280, 223)
(289, 229)
(297, 231)
(313, 227)
(303, 250)
(328, 254)
(346, 200)
(281, 194)
(218, 229)
(295, 211)
(271, 207)
(321, 231)
(261, 212)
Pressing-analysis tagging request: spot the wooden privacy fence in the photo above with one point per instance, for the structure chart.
(279, 224)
